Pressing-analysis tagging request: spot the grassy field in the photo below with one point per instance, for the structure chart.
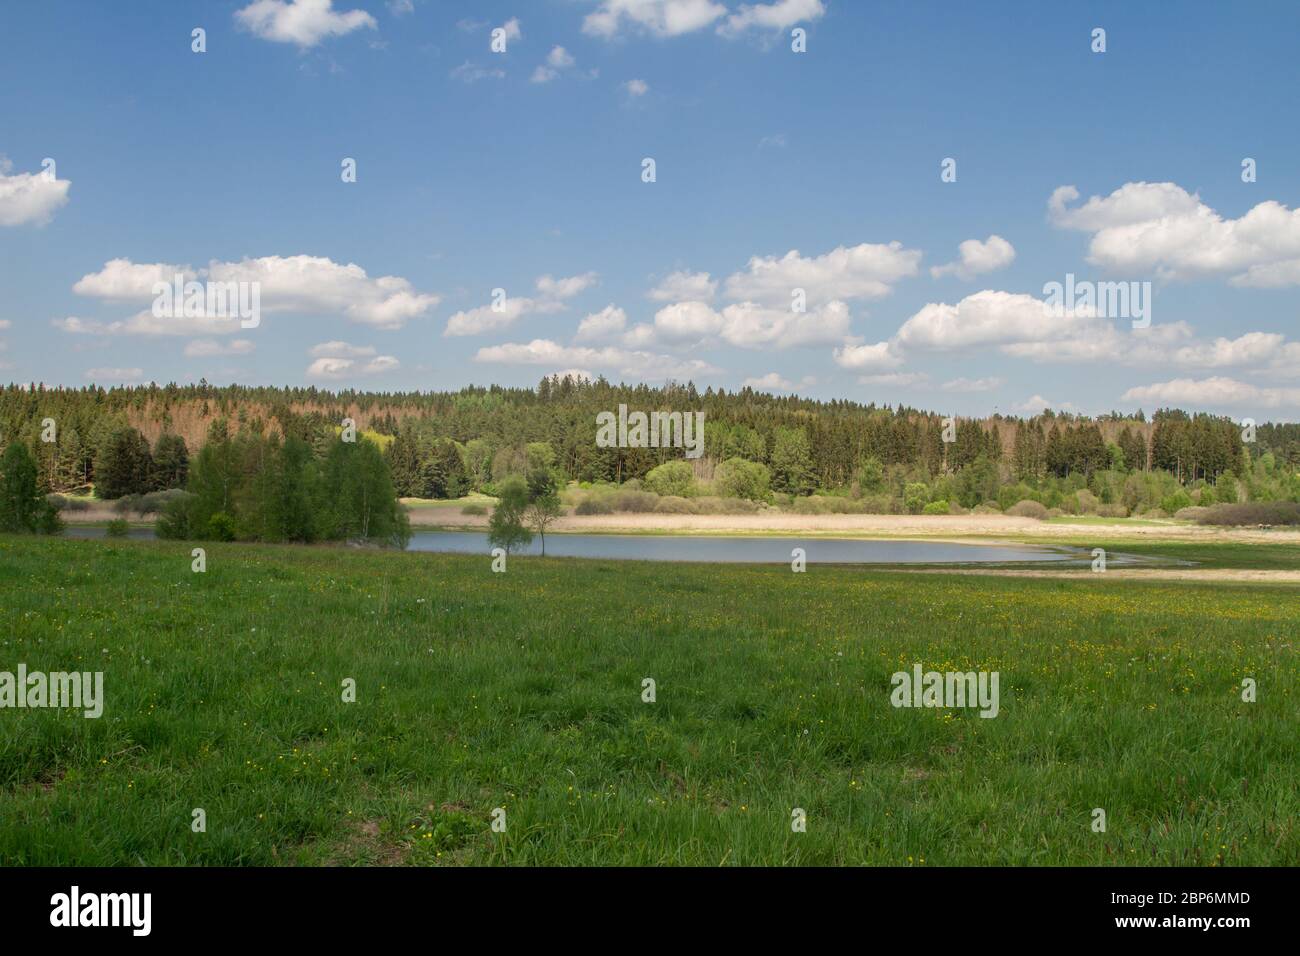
(523, 691)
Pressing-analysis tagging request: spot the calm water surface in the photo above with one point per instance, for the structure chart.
(751, 550)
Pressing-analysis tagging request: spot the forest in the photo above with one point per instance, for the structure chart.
(784, 450)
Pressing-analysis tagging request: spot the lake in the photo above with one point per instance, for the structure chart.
(730, 550)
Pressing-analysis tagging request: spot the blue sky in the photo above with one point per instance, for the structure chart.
(774, 171)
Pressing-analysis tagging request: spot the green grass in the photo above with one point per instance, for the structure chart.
(523, 690)
(1208, 554)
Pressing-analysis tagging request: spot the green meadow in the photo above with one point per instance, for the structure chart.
(524, 691)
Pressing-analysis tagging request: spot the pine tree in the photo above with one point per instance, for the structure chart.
(22, 506)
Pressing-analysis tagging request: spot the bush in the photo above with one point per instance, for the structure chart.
(915, 497)
(1194, 513)
(1055, 512)
(987, 508)
(174, 521)
(1086, 502)
(675, 478)
(64, 503)
(117, 528)
(1027, 509)
(474, 509)
(635, 502)
(1112, 511)
(713, 505)
(593, 505)
(1253, 513)
(156, 501)
(877, 505)
(221, 527)
(935, 508)
(738, 478)
(674, 505)
(147, 504)
(825, 505)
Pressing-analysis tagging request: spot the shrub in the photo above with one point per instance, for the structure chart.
(64, 503)
(221, 527)
(1086, 502)
(713, 505)
(877, 505)
(117, 528)
(1193, 513)
(987, 508)
(1253, 513)
(1054, 512)
(1112, 511)
(594, 505)
(674, 505)
(738, 478)
(673, 478)
(825, 505)
(174, 520)
(915, 497)
(1027, 509)
(155, 501)
(635, 502)
(935, 508)
(474, 508)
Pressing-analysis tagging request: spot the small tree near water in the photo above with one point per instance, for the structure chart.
(506, 526)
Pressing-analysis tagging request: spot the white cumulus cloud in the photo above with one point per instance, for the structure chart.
(630, 363)
(664, 18)
(304, 23)
(865, 271)
(1161, 229)
(339, 360)
(1213, 392)
(770, 16)
(29, 197)
(976, 258)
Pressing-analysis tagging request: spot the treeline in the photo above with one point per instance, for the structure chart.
(444, 444)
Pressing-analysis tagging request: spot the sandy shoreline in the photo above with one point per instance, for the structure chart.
(1219, 575)
(965, 528)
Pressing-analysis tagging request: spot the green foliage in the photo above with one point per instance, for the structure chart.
(936, 508)
(117, 528)
(23, 508)
(174, 520)
(506, 525)
(441, 445)
(124, 465)
(792, 470)
(915, 496)
(357, 501)
(250, 488)
(221, 527)
(171, 461)
(737, 478)
(871, 475)
(672, 478)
